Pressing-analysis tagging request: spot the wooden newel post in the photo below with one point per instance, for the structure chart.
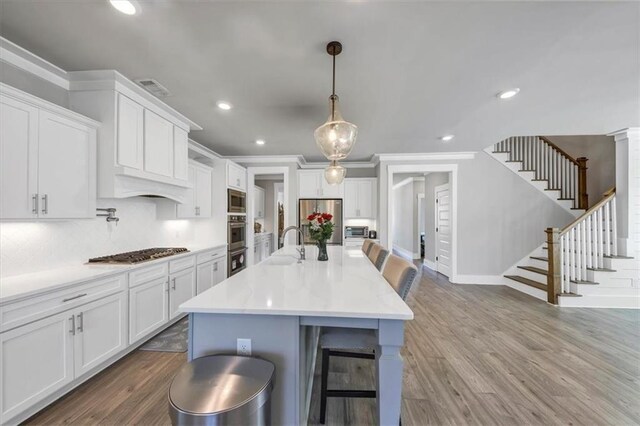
(583, 200)
(553, 277)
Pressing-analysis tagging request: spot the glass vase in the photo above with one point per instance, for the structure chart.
(322, 251)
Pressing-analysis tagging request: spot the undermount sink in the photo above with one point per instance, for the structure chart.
(280, 260)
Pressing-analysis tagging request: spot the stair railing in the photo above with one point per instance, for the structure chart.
(580, 246)
(550, 163)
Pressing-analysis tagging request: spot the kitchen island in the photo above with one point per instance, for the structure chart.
(281, 305)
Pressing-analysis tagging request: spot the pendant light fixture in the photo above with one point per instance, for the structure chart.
(336, 137)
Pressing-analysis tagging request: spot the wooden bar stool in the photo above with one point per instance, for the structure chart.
(337, 341)
(377, 254)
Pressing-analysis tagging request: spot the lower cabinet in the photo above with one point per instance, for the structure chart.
(182, 288)
(209, 274)
(39, 358)
(148, 308)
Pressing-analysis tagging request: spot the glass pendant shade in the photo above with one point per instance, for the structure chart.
(335, 173)
(336, 137)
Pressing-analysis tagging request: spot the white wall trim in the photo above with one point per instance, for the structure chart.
(422, 168)
(429, 264)
(265, 159)
(425, 156)
(203, 151)
(21, 58)
(406, 181)
(480, 279)
(406, 253)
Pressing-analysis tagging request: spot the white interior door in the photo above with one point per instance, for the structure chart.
(443, 229)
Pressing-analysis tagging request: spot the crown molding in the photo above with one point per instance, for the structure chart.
(21, 58)
(266, 159)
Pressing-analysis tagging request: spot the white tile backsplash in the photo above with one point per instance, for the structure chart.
(36, 246)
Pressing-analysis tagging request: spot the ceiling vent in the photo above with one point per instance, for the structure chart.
(152, 86)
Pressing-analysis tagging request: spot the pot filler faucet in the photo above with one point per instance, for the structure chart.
(284, 233)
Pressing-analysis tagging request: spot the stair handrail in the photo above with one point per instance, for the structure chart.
(560, 150)
(580, 246)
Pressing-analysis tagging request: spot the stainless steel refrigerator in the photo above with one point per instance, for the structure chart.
(306, 206)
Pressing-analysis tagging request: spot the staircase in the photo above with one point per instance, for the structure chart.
(579, 265)
(548, 168)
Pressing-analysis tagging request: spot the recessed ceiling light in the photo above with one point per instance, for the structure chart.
(125, 6)
(446, 138)
(508, 93)
(260, 142)
(224, 105)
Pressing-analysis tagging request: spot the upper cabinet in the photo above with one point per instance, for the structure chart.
(360, 198)
(198, 202)
(236, 177)
(143, 143)
(312, 184)
(47, 159)
(258, 202)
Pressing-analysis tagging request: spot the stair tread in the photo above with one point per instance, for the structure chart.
(569, 295)
(535, 269)
(617, 257)
(512, 161)
(544, 259)
(601, 269)
(584, 282)
(500, 152)
(527, 281)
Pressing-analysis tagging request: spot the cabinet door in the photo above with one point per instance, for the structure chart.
(18, 159)
(148, 308)
(330, 191)
(258, 199)
(236, 177)
(309, 184)
(187, 210)
(101, 331)
(203, 192)
(180, 153)
(219, 270)
(365, 199)
(130, 133)
(205, 277)
(35, 360)
(351, 198)
(158, 144)
(66, 168)
(182, 288)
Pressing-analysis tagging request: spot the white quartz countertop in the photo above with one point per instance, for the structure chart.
(347, 285)
(26, 285)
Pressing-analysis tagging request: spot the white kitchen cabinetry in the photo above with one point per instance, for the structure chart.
(262, 247)
(143, 146)
(236, 177)
(148, 307)
(210, 273)
(182, 288)
(35, 360)
(360, 198)
(47, 161)
(198, 200)
(258, 202)
(101, 331)
(312, 184)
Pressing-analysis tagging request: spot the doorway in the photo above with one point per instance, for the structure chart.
(442, 197)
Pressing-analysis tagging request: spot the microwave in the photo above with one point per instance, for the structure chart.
(236, 201)
(356, 232)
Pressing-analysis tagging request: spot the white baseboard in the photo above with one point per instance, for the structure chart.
(430, 264)
(479, 279)
(406, 253)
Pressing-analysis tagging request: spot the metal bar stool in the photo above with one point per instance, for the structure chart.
(336, 341)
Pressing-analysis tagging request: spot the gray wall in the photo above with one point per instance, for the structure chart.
(361, 172)
(269, 203)
(430, 182)
(601, 167)
(418, 188)
(501, 217)
(34, 85)
(403, 217)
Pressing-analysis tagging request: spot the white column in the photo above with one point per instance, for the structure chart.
(628, 190)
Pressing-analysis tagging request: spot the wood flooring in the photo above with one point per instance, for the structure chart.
(481, 355)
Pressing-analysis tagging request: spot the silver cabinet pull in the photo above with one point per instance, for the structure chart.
(74, 297)
(81, 322)
(34, 200)
(45, 204)
(73, 325)
(173, 283)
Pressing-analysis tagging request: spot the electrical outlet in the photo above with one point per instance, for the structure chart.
(244, 347)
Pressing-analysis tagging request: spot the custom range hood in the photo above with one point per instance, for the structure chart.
(142, 142)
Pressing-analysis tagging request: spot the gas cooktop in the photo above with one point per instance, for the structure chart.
(138, 256)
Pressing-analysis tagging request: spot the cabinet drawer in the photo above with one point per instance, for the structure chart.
(25, 311)
(211, 254)
(182, 263)
(143, 275)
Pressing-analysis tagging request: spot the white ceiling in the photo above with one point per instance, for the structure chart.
(409, 73)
